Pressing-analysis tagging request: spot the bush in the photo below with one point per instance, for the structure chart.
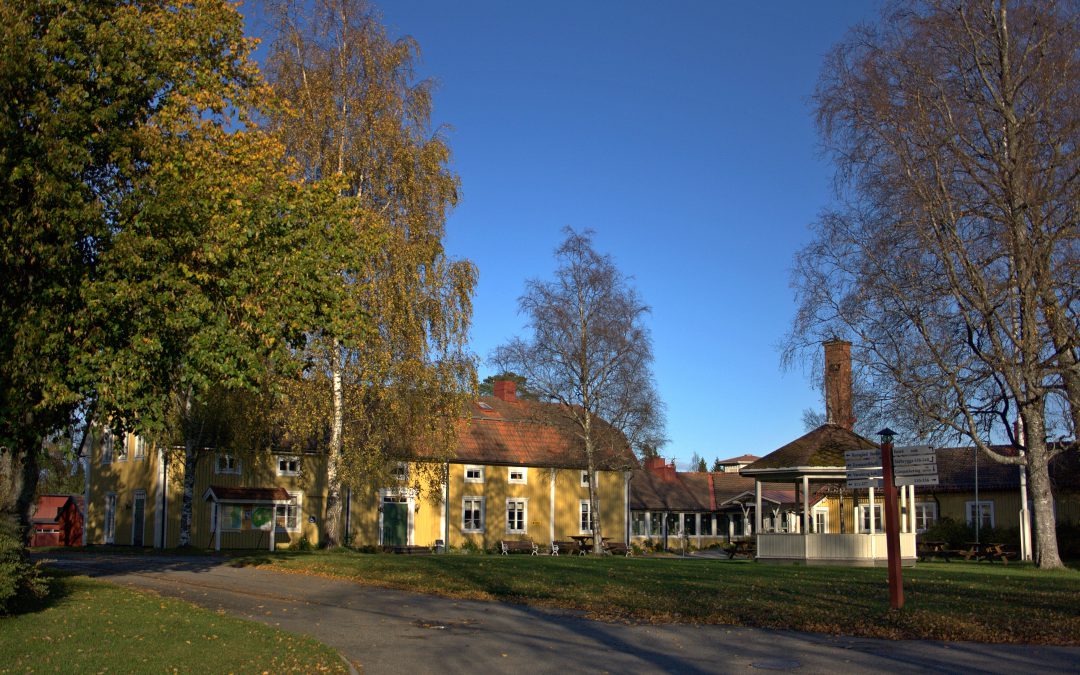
(958, 534)
(1068, 536)
(304, 544)
(20, 579)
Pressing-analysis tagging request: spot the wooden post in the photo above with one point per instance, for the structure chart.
(892, 526)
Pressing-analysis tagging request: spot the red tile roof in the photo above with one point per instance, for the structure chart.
(823, 447)
(529, 433)
(49, 507)
(246, 494)
(697, 491)
(741, 459)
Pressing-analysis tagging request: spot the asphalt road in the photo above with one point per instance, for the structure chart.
(387, 631)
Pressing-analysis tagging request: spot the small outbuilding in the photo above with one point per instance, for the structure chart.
(57, 521)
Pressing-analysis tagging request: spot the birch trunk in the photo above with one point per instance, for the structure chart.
(187, 501)
(333, 483)
(1038, 468)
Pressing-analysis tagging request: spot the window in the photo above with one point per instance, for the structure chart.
(474, 474)
(584, 479)
(639, 524)
(121, 448)
(588, 519)
(227, 464)
(708, 524)
(821, 521)
(985, 511)
(690, 524)
(518, 474)
(472, 514)
(287, 516)
(140, 447)
(674, 525)
(288, 466)
(516, 517)
(110, 518)
(106, 446)
(925, 515)
(864, 519)
(232, 517)
(400, 472)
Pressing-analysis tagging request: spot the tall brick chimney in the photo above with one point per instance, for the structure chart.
(838, 404)
(505, 390)
(660, 467)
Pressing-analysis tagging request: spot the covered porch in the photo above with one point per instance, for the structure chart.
(831, 524)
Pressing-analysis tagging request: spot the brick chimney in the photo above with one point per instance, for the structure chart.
(838, 404)
(661, 468)
(505, 390)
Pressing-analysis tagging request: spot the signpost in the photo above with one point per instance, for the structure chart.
(892, 527)
(915, 465)
(863, 469)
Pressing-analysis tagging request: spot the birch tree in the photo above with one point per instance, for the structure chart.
(385, 369)
(951, 258)
(590, 354)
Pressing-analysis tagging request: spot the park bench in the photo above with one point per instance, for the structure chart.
(567, 547)
(617, 548)
(518, 546)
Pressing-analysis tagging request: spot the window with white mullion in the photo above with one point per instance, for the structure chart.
(472, 514)
(516, 516)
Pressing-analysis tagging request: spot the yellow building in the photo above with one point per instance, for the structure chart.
(517, 473)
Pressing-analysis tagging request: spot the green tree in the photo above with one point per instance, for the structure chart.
(591, 354)
(94, 97)
(385, 368)
(521, 385)
(717, 466)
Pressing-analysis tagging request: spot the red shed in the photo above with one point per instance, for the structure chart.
(57, 521)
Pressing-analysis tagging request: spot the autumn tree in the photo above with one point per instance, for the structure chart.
(590, 353)
(385, 368)
(951, 257)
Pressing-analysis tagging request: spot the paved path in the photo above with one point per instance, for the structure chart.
(386, 631)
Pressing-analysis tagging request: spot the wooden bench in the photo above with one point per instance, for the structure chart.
(935, 549)
(618, 548)
(518, 546)
(567, 547)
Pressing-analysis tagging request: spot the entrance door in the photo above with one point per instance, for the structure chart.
(110, 518)
(138, 518)
(395, 524)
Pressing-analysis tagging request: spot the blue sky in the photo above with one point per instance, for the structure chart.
(681, 133)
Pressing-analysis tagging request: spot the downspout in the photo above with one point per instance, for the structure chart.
(627, 476)
(446, 507)
(551, 505)
(86, 497)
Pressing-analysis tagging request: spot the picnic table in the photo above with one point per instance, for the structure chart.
(617, 548)
(988, 551)
(585, 542)
(745, 547)
(935, 549)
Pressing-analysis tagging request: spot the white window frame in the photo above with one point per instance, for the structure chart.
(140, 447)
(585, 507)
(232, 467)
(585, 478)
(926, 514)
(822, 511)
(288, 459)
(107, 444)
(879, 521)
(479, 503)
(121, 449)
(970, 509)
(296, 505)
(110, 518)
(474, 479)
(400, 472)
(523, 480)
(524, 504)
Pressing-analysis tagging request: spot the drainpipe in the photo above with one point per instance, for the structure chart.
(86, 496)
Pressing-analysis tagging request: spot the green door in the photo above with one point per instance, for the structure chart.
(395, 524)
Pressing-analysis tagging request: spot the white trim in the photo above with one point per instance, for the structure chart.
(584, 478)
(969, 512)
(400, 472)
(592, 516)
(120, 452)
(483, 514)
(920, 509)
(107, 445)
(296, 501)
(523, 480)
(524, 502)
(824, 511)
(473, 467)
(876, 525)
(551, 505)
(398, 493)
(140, 448)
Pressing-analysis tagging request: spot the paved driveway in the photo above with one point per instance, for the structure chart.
(386, 631)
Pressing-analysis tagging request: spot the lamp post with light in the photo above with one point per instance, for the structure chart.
(892, 524)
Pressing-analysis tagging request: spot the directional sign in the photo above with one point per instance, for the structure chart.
(862, 456)
(867, 483)
(919, 470)
(915, 480)
(865, 464)
(912, 450)
(915, 461)
(861, 474)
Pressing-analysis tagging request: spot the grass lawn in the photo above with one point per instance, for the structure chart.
(91, 626)
(946, 601)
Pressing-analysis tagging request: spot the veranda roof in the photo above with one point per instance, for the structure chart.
(817, 454)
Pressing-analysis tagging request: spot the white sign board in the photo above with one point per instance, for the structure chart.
(918, 470)
(859, 474)
(862, 456)
(866, 483)
(916, 480)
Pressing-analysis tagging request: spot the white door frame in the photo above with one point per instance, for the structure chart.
(110, 518)
(140, 495)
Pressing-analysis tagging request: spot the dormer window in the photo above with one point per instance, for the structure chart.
(474, 474)
(140, 447)
(227, 464)
(518, 474)
(106, 446)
